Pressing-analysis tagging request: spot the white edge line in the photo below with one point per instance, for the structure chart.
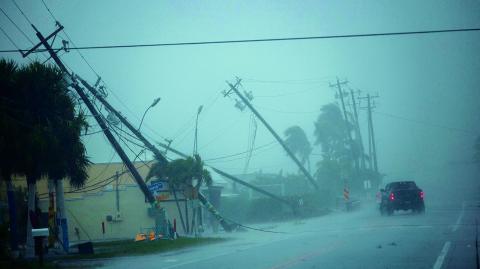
(441, 257)
(459, 219)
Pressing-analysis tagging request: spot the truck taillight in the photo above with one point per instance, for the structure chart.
(392, 196)
(421, 195)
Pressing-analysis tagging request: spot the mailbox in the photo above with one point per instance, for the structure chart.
(40, 232)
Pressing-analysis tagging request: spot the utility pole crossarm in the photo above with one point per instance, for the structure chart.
(277, 137)
(347, 126)
(99, 120)
(369, 108)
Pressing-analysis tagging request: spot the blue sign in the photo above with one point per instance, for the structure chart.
(158, 186)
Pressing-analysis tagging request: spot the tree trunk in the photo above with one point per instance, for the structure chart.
(30, 250)
(186, 216)
(61, 216)
(51, 213)
(179, 210)
(12, 211)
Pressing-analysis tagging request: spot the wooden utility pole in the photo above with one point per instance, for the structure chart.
(160, 157)
(117, 193)
(338, 85)
(101, 122)
(277, 137)
(371, 134)
(358, 132)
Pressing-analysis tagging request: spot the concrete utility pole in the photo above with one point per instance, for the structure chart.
(277, 137)
(338, 85)
(358, 132)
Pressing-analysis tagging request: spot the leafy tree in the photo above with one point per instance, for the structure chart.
(297, 141)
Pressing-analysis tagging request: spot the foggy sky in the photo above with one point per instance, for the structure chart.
(431, 80)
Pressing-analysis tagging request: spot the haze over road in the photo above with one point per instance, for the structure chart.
(442, 238)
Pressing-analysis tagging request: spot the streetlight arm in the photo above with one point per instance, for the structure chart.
(143, 117)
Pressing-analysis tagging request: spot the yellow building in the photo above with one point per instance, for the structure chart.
(96, 203)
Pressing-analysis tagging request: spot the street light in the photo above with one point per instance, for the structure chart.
(155, 102)
(195, 142)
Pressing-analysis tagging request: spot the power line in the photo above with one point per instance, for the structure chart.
(240, 153)
(16, 26)
(129, 148)
(324, 79)
(221, 132)
(21, 11)
(264, 39)
(51, 14)
(9, 38)
(288, 112)
(425, 123)
(69, 39)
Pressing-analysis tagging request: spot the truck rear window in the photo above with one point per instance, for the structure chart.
(403, 185)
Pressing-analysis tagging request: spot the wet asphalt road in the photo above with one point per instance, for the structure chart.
(444, 237)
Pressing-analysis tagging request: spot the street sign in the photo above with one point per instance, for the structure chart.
(158, 186)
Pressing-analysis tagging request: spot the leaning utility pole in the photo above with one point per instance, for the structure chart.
(101, 122)
(371, 133)
(277, 137)
(117, 194)
(357, 129)
(350, 139)
(160, 157)
(167, 147)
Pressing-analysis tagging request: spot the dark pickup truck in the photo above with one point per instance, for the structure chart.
(401, 195)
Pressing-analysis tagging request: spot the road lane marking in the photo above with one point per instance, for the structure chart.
(441, 257)
(459, 219)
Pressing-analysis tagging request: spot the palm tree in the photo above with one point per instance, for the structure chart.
(297, 141)
(332, 135)
(9, 144)
(180, 174)
(67, 159)
(49, 131)
(331, 132)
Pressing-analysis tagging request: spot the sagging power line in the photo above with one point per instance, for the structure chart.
(262, 40)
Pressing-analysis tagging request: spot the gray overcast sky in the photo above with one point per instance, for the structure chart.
(429, 78)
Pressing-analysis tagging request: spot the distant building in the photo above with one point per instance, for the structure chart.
(96, 203)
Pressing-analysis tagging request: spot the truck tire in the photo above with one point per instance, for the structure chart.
(421, 209)
(389, 211)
